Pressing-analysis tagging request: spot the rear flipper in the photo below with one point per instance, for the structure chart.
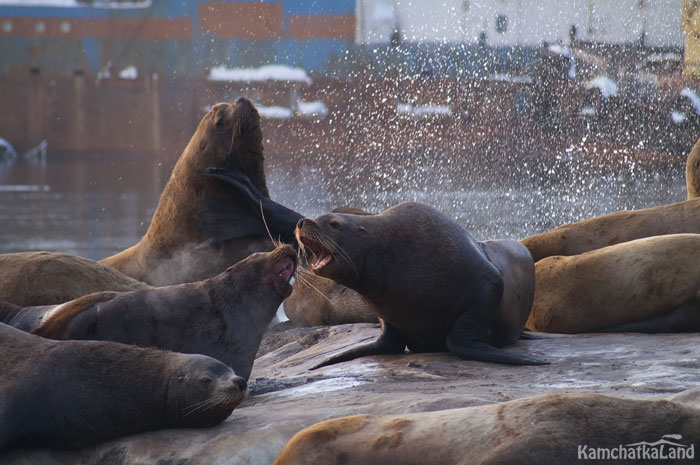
(528, 336)
(472, 349)
(280, 220)
(682, 319)
(465, 337)
(391, 341)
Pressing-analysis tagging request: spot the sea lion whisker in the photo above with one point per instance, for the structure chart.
(306, 282)
(333, 247)
(272, 239)
(203, 405)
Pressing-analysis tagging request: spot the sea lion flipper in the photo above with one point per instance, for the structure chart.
(279, 219)
(682, 319)
(473, 349)
(390, 341)
(528, 336)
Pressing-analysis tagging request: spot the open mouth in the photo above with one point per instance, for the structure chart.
(284, 269)
(321, 256)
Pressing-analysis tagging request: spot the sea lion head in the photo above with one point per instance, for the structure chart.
(230, 136)
(271, 270)
(202, 391)
(339, 246)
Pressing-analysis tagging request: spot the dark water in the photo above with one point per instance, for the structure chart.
(97, 208)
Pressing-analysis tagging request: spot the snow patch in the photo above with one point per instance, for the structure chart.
(607, 86)
(429, 110)
(509, 78)
(76, 4)
(693, 97)
(130, 72)
(264, 73)
(560, 50)
(315, 108)
(274, 112)
(423, 110)
(677, 117)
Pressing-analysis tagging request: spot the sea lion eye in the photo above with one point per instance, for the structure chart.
(205, 381)
(180, 379)
(220, 120)
(334, 224)
(361, 229)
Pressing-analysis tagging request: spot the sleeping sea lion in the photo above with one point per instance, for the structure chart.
(76, 393)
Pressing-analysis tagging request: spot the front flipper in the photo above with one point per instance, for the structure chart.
(682, 319)
(390, 341)
(280, 220)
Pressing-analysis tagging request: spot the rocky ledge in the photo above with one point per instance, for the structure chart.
(286, 396)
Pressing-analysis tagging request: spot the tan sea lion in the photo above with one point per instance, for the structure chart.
(223, 317)
(550, 429)
(47, 278)
(647, 285)
(432, 285)
(76, 393)
(199, 228)
(614, 228)
(175, 249)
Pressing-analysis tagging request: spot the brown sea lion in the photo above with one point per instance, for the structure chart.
(223, 317)
(175, 249)
(75, 393)
(199, 227)
(647, 285)
(432, 285)
(46, 278)
(692, 172)
(542, 430)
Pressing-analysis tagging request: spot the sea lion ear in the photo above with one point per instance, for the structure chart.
(362, 229)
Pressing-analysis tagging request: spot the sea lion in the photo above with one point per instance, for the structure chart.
(47, 278)
(626, 225)
(174, 249)
(198, 229)
(692, 172)
(75, 393)
(542, 430)
(223, 317)
(315, 301)
(652, 282)
(432, 285)
(614, 228)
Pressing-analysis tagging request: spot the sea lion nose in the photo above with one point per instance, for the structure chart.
(240, 383)
(300, 224)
